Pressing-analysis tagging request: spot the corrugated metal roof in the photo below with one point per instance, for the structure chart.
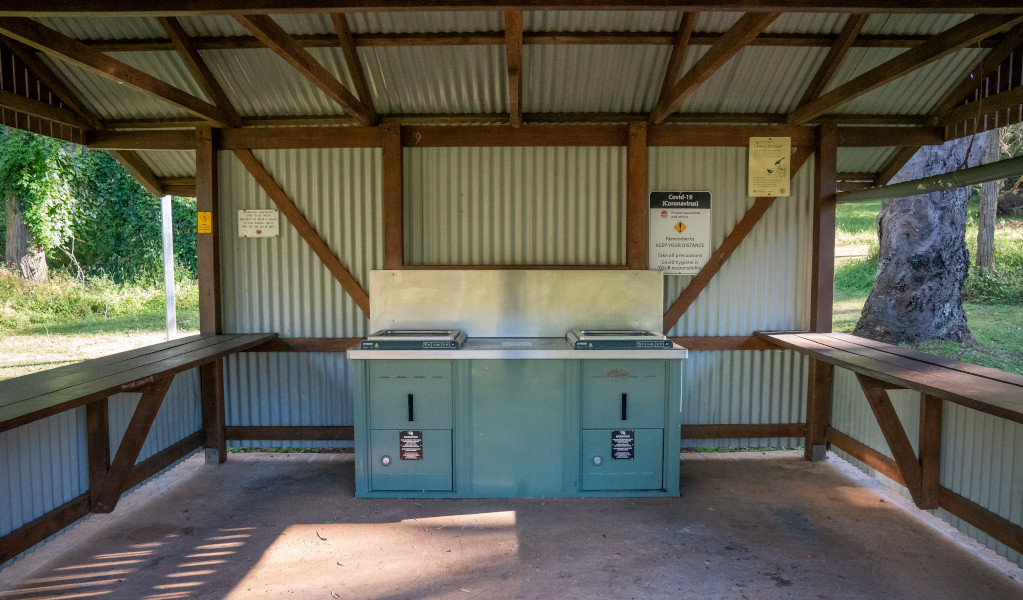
(212, 26)
(864, 160)
(592, 78)
(632, 21)
(432, 79)
(105, 28)
(808, 23)
(903, 24)
(425, 22)
(170, 163)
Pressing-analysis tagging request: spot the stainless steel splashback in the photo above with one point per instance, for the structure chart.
(516, 303)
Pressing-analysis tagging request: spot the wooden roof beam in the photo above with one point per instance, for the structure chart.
(735, 39)
(358, 74)
(280, 41)
(199, 69)
(513, 52)
(678, 52)
(42, 110)
(139, 170)
(56, 84)
(64, 48)
(835, 56)
(955, 38)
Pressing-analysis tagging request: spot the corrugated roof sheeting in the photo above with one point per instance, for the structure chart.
(180, 415)
(437, 79)
(170, 163)
(44, 467)
(736, 86)
(864, 160)
(764, 284)
(105, 28)
(425, 22)
(278, 284)
(212, 26)
(742, 388)
(287, 389)
(918, 92)
(168, 67)
(716, 22)
(906, 24)
(587, 78)
(979, 456)
(807, 22)
(113, 100)
(632, 21)
(259, 82)
(509, 206)
(858, 61)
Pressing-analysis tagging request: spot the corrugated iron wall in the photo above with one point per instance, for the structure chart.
(980, 453)
(46, 464)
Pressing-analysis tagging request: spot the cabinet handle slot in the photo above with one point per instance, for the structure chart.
(411, 409)
(625, 407)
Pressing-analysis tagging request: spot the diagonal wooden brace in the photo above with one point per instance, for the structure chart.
(920, 474)
(105, 498)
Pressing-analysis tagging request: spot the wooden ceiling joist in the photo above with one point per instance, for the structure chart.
(199, 69)
(46, 75)
(358, 74)
(513, 52)
(678, 52)
(41, 109)
(64, 48)
(240, 7)
(278, 40)
(835, 56)
(960, 36)
(735, 39)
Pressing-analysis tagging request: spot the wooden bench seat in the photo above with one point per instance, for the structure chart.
(30, 397)
(980, 388)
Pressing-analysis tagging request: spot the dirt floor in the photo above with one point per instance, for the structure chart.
(748, 526)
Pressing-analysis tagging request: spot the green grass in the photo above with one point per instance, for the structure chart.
(993, 299)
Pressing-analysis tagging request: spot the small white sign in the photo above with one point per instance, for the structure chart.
(258, 223)
(679, 232)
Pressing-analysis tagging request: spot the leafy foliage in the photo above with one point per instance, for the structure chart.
(38, 171)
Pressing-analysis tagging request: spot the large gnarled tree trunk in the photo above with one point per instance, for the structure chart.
(21, 253)
(923, 260)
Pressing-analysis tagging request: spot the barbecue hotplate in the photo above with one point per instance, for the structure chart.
(616, 339)
(414, 339)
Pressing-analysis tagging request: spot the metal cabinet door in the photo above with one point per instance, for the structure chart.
(431, 472)
(409, 394)
(623, 393)
(603, 471)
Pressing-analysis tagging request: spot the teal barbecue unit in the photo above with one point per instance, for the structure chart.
(517, 418)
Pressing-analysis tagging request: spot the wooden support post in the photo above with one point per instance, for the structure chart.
(106, 497)
(930, 450)
(818, 409)
(97, 426)
(393, 197)
(211, 376)
(825, 186)
(637, 189)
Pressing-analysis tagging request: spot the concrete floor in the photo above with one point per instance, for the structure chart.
(748, 526)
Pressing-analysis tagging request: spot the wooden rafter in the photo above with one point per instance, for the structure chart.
(513, 52)
(45, 74)
(996, 102)
(139, 170)
(199, 69)
(678, 52)
(305, 229)
(735, 39)
(280, 41)
(725, 250)
(358, 74)
(64, 48)
(827, 70)
(41, 109)
(943, 44)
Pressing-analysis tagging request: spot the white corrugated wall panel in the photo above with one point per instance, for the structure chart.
(506, 206)
(980, 457)
(180, 415)
(591, 78)
(279, 284)
(765, 283)
(44, 465)
(288, 389)
(437, 79)
(743, 387)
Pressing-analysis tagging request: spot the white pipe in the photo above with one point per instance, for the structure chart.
(168, 266)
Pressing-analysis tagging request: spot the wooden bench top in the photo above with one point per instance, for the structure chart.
(981, 388)
(30, 397)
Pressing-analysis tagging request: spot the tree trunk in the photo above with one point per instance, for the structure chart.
(21, 253)
(922, 260)
(988, 206)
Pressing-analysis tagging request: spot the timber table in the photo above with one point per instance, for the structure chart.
(148, 371)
